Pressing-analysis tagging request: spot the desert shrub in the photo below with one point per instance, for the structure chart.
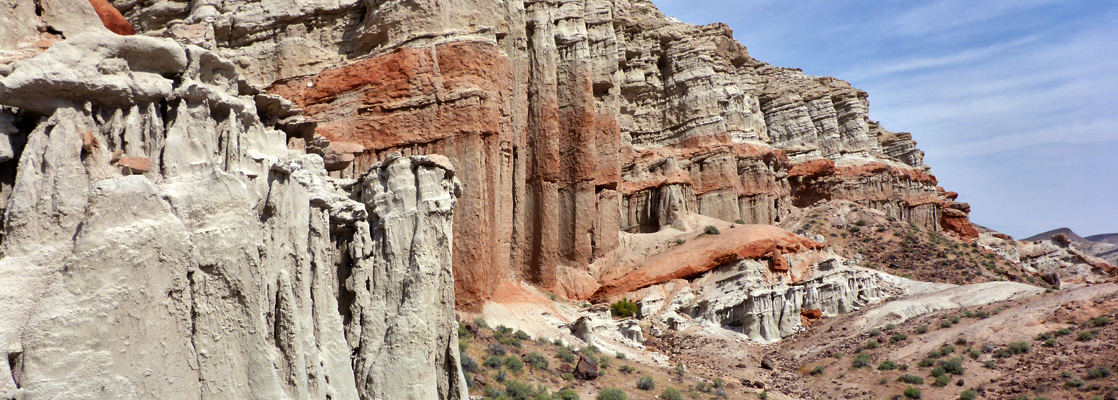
(911, 379)
(945, 323)
(1002, 353)
(462, 346)
(496, 350)
(703, 387)
(603, 362)
(494, 362)
(536, 360)
(872, 345)
(567, 376)
(1045, 336)
(620, 355)
(900, 337)
(1050, 343)
(819, 370)
(912, 393)
(514, 364)
(889, 327)
(927, 362)
(504, 329)
(468, 363)
(518, 390)
(711, 230)
(922, 329)
(566, 394)
(887, 366)
(1075, 382)
(961, 341)
(1063, 332)
(522, 335)
(500, 377)
(719, 393)
(1018, 348)
(612, 394)
(463, 333)
(1098, 373)
(646, 383)
(565, 355)
(975, 353)
(954, 320)
(837, 354)
(938, 372)
(862, 360)
(510, 341)
(591, 349)
(624, 308)
(680, 369)
(628, 369)
(942, 381)
(492, 392)
(946, 349)
(989, 364)
(1100, 321)
(954, 366)
(763, 395)
(855, 229)
(479, 321)
(671, 394)
(739, 222)
(1085, 336)
(968, 395)
(874, 332)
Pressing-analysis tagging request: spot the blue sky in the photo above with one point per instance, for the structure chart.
(1015, 103)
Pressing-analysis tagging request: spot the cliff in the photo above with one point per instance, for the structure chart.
(568, 122)
(161, 241)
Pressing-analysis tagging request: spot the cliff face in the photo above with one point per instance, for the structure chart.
(161, 241)
(568, 122)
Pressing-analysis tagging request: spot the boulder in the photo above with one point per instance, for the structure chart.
(585, 369)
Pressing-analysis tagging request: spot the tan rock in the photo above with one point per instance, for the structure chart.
(135, 165)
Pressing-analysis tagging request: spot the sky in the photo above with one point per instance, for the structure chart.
(1015, 103)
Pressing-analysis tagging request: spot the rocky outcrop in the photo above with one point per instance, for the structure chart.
(161, 241)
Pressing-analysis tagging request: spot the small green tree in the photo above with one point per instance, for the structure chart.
(612, 394)
(912, 393)
(645, 383)
(624, 308)
(671, 394)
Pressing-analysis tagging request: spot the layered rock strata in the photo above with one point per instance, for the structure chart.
(160, 241)
(567, 122)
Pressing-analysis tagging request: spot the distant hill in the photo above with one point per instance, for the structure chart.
(1066, 231)
(1111, 238)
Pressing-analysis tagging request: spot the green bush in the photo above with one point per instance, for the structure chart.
(887, 366)
(496, 350)
(1074, 383)
(536, 360)
(1100, 321)
(954, 366)
(922, 329)
(938, 372)
(1045, 336)
(519, 391)
(860, 222)
(504, 329)
(620, 355)
(912, 393)
(603, 362)
(862, 360)
(514, 364)
(1018, 348)
(819, 370)
(479, 321)
(739, 222)
(468, 364)
(900, 337)
(680, 241)
(763, 395)
(945, 323)
(874, 332)
(703, 387)
(911, 379)
(494, 362)
(1063, 332)
(1098, 373)
(671, 394)
(942, 381)
(927, 362)
(872, 345)
(565, 355)
(567, 394)
(1051, 343)
(628, 369)
(1085, 336)
(968, 395)
(975, 353)
(719, 383)
(890, 327)
(646, 383)
(624, 308)
(612, 394)
(962, 341)
(522, 335)
(567, 376)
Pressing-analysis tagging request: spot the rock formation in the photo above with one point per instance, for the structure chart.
(567, 123)
(161, 241)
